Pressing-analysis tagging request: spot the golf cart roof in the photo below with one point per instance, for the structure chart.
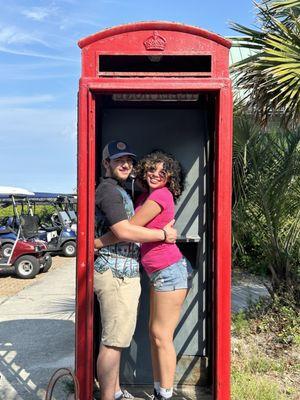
(37, 197)
(42, 197)
(6, 191)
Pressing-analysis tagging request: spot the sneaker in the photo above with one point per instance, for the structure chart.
(158, 396)
(125, 395)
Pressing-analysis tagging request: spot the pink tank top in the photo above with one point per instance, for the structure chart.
(159, 255)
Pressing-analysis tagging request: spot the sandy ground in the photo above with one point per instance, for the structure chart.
(10, 284)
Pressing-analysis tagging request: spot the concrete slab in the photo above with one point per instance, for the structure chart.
(37, 335)
(245, 293)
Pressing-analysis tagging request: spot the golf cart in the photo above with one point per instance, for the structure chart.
(66, 240)
(7, 236)
(64, 221)
(28, 255)
(59, 232)
(68, 203)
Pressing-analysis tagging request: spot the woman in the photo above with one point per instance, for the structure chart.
(169, 272)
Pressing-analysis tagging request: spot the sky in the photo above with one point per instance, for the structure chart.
(40, 68)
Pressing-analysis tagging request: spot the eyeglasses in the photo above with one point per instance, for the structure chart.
(162, 174)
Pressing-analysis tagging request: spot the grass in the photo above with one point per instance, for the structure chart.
(266, 352)
(246, 386)
(257, 376)
(240, 324)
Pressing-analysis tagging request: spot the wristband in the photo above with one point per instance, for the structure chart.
(165, 235)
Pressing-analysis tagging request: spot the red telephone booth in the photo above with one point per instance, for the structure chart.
(163, 85)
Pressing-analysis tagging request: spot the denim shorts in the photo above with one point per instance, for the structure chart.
(176, 276)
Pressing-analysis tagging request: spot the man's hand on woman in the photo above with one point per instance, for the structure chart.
(98, 243)
(171, 232)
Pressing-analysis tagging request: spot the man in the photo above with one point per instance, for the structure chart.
(116, 278)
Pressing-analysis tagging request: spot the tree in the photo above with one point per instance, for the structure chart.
(266, 199)
(270, 77)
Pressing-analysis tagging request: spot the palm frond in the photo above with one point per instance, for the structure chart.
(271, 76)
(267, 193)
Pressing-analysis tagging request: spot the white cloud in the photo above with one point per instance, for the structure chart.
(12, 35)
(70, 130)
(39, 13)
(118, 2)
(30, 53)
(47, 125)
(25, 100)
(32, 66)
(39, 70)
(37, 77)
(67, 23)
(43, 145)
(16, 41)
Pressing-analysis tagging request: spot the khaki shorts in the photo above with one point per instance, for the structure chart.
(118, 300)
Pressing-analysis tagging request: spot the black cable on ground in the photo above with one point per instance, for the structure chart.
(58, 374)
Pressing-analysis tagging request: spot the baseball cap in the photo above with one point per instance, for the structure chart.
(116, 149)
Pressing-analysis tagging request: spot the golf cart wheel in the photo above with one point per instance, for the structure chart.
(27, 267)
(47, 265)
(69, 249)
(6, 250)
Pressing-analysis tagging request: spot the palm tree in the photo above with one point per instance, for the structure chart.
(270, 76)
(266, 199)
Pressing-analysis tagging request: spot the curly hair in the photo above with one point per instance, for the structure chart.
(173, 168)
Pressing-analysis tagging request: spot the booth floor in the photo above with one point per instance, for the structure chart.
(37, 334)
(144, 393)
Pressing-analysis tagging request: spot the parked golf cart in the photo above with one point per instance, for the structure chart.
(28, 255)
(65, 241)
(7, 238)
(59, 232)
(63, 221)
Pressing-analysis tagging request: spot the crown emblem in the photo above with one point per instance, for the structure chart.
(155, 42)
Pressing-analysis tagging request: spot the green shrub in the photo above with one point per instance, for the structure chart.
(266, 213)
(44, 212)
(279, 316)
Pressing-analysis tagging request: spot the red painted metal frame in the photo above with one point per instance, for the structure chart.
(154, 25)
(222, 246)
(85, 241)
(89, 85)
